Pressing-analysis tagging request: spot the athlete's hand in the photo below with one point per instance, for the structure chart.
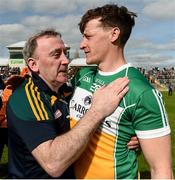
(107, 98)
(133, 143)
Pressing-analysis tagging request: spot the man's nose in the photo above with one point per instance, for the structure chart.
(65, 59)
(82, 44)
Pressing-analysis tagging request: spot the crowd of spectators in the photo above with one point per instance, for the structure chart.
(6, 71)
(164, 76)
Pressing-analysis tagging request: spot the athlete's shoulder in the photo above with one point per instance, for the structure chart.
(138, 82)
(85, 74)
(87, 70)
(135, 73)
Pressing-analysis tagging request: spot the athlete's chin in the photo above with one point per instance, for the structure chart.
(90, 61)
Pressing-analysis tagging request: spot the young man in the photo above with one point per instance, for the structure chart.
(141, 112)
(40, 143)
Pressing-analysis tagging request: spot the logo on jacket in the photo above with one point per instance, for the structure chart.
(57, 114)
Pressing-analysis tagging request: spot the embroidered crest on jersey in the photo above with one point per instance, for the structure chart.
(86, 79)
(87, 100)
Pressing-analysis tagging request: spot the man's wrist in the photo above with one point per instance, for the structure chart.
(96, 116)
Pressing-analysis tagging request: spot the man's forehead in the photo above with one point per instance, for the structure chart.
(50, 38)
(46, 40)
(93, 26)
(50, 45)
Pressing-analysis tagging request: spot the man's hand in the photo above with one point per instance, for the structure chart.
(133, 143)
(107, 98)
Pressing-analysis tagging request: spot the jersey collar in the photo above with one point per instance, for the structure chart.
(38, 81)
(116, 71)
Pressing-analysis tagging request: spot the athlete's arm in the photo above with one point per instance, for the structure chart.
(153, 130)
(157, 152)
(56, 155)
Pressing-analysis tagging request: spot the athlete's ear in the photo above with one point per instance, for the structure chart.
(33, 64)
(115, 32)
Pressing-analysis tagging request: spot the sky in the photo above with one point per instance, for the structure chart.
(152, 42)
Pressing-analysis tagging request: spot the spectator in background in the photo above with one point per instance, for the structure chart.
(2, 86)
(5, 93)
(170, 89)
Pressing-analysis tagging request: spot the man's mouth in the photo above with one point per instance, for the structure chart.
(63, 71)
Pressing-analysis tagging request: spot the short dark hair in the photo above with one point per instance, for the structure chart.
(111, 16)
(31, 43)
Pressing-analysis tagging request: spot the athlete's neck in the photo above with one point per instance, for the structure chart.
(112, 61)
(112, 66)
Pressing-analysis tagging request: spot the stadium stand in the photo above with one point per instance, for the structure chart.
(160, 78)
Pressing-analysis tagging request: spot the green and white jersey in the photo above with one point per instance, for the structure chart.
(141, 112)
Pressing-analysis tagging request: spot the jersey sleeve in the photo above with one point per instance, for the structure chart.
(150, 118)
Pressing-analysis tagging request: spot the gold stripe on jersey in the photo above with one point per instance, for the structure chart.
(53, 99)
(42, 104)
(36, 101)
(30, 100)
(33, 101)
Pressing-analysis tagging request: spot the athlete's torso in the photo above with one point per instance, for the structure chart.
(107, 155)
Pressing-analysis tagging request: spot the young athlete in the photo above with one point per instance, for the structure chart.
(141, 112)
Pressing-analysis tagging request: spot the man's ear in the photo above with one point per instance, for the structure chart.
(115, 34)
(32, 63)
